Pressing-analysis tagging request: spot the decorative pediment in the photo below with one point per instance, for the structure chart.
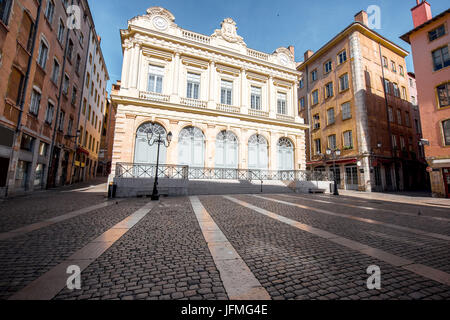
(257, 77)
(159, 11)
(285, 56)
(228, 70)
(189, 61)
(282, 83)
(159, 54)
(228, 32)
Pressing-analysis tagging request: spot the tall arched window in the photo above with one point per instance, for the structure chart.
(258, 155)
(143, 153)
(285, 152)
(226, 150)
(191, 147)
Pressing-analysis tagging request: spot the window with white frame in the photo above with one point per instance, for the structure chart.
(315, 97)
(318, 149)
(193, 85)
(281, 103)
(316, 121)
(346, 111)
(396, 90)
(49, 113)
(393, 66)
(343, 82)
(49, 11)
(330, 116)
(61, 29)
(327, 66)
(55, 72)
(155, 79)
(441, 58)
(35, 102)
(66, 84)
(314, 75)
(226, 92)
(394, 141)
(443, 92)
(255, 99)
(342, 56)
(399, 116)
(42, 54)
(387, 86)
(332, 142)
(404, 95)
(446, 131)
(391, 114)
(62, 114)
(69, 127)
(329, 90)
(302, 103)
(348, 140)
(402, 71)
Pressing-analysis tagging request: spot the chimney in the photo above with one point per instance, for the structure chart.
(308, 54)
(292, 50)
(421, 13)
(362, 17)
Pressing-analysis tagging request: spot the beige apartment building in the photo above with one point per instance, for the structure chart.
(355, 94)
(227, 106)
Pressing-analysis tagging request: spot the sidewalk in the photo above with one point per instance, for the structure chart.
(419, 198)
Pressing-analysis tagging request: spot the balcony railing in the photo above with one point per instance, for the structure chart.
(194, 103)
(196, 37)
(154, 96)
(141, 171)
(228, 108)
(285, 117)
(258, 113)
(257, 54)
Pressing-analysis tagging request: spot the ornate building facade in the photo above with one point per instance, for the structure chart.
(226, 105)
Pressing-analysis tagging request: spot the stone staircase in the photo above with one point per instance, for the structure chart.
(219, 187)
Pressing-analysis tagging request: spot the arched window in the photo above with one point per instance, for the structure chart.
(191, 147)
(143, 153)
(285, 152)
(258, 155)
(226, 150)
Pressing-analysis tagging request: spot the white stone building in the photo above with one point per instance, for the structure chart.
(226, 105)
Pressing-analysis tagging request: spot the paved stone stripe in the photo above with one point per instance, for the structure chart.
(49, 222)
(239, 282)
(425, 271)
(348, 216)
(47, 286)
(387, 210)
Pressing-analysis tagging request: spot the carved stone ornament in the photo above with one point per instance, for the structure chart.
(284, 56)
(228, 32)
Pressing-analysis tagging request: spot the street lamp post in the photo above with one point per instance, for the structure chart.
(159, 139)
(334, 153)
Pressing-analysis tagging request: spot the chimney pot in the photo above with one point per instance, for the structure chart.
(362, 17)
(308, 54)
(421, 13)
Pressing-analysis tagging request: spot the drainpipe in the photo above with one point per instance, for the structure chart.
(52, 145)
(77, 140)
(387, 109)
(308, 108)
(25, 84)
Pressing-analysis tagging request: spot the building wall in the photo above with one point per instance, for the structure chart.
(372, 152)
(437, 153)
(215, 58)
(45, 161)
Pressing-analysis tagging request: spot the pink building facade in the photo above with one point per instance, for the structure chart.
(430, 47)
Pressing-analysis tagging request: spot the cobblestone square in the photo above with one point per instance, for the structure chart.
(271, 246)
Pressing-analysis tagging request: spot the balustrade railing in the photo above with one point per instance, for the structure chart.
(154, 96)
(138, 170)
(194, 103)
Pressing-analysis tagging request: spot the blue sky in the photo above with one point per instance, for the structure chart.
(264, 24)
